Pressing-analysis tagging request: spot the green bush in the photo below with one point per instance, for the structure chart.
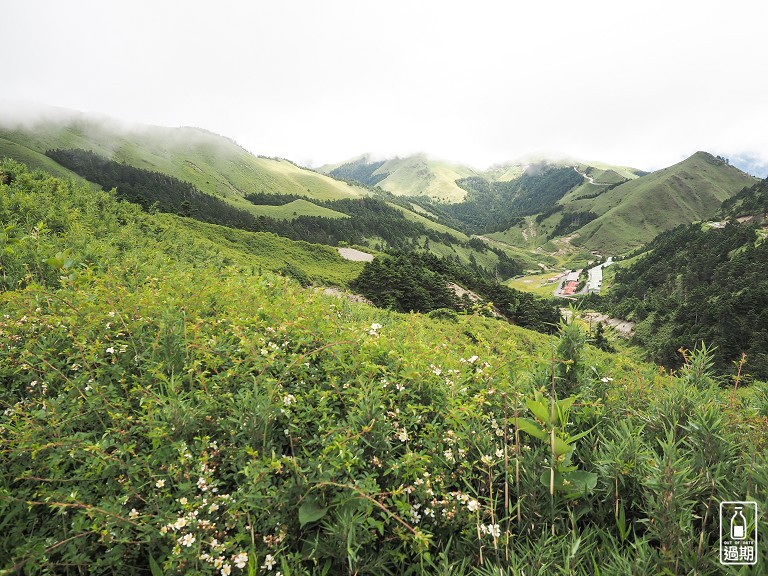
(172, 414)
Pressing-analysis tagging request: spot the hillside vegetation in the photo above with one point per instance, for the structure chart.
(169, 407)
(194, 173)
(214, 164)
(702, 284)
(635, 212)
(614, 215)
(415, 175)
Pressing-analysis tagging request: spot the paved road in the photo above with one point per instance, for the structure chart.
(595, 281)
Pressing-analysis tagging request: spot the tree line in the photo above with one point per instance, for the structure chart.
(419, 282)
(371, 219)
(491, 206)
(697, 285)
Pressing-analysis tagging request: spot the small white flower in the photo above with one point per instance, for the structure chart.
(499, 453)
(487, 459)
(110, 350)
(374, 329)
(187, 540)
(402, 435)
(289, 399)
(160, 483)
(241, 560)
(269, 562)
(473, 505)
(133, 513)
(183, 500)
(226, 570)
(180, 523)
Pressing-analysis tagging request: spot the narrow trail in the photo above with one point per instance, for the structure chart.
(589, 178)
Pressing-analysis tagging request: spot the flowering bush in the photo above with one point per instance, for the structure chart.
(183, 418)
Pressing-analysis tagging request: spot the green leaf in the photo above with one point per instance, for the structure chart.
(532, 428)
(540, 409)
(570, 484)
(562, 409)
(154, 567)
(580, 434)
(561, 446)
(582, 481)
(311, 511)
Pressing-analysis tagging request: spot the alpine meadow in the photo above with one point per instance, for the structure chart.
(216, 363)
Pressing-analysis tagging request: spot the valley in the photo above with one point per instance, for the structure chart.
(212, 359)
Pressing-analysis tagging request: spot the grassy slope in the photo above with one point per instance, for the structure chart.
(296, 208)
(35, 160)
(89, 237)
(136, 388)
(422, 176)
(214, 164)
(634, 213)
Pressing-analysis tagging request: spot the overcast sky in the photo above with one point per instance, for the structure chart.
(643, 84)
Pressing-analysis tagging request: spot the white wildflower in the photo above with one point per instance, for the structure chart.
(241, 560)
(187, 540)
(269, 562)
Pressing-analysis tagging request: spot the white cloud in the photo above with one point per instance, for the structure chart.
(641, 84)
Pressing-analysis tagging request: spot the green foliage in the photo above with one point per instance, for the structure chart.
(420, 282)
(697, 285)
(52, 230)
(166, 412)
(570, 356)
(362, 172)
(153, 190)
(493, 205)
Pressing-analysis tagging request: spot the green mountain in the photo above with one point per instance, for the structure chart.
(635, 212)
(233, 187)
(611, 215)
(416, 175)
(703, 283)
(214, 164)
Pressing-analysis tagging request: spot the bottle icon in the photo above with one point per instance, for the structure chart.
(738, 525)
